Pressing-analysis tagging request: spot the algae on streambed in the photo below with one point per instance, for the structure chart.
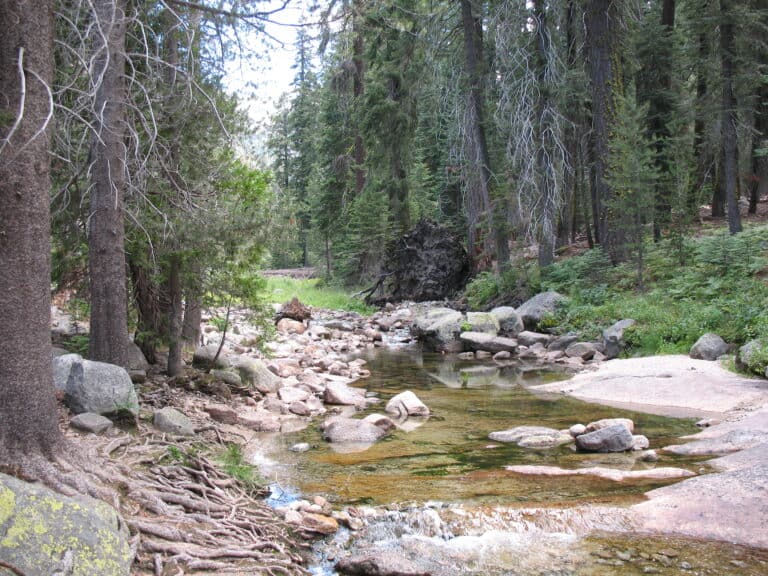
(448, 456)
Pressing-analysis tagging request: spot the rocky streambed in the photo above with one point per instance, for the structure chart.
(404, 486)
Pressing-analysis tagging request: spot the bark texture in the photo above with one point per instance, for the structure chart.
(730, 139)
(106, 233)
(28, 421)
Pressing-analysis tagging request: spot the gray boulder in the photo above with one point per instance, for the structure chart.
(482, 322)
(583, 350)
(406, 404)
(510, 323)
(90, 422)
(204, 355)
(229, 378)
(562, 342)
(481, 341)
(708, 347)
(533, 311)
(43, 532)
(172, 421)
(438, 329)
(527, 338)
(62, 366)
(136, 359)
(255, 373)
(615, 438)
(532, 436)
(340, 394)
(753, 356)
(379, 563)
(613, 338)
(100, 388)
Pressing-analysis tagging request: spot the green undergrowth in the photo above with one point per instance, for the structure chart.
(233, 462)
(716, 283)
(315, 292)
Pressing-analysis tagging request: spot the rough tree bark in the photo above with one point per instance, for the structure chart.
(106, 231)
(479, 202)
(730, 141)
(602, 28)
(28, 421)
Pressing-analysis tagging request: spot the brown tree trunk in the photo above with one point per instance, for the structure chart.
(730, 142)
(175, 311)
(150, 325)
(193, 314)
(106, 234)
(28, 419)
(602, 28)
(662, 110)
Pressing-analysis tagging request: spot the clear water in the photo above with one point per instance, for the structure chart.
(448, 456)
(447, 462)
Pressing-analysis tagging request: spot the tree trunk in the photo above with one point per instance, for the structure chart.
(145, 296)
(759, 178)
(193, 314)
(602, 26)
(28, 419)
(662, 113)
(479, 174)
(106, 234)
(730, 142)
(545, 140)
(175, 311)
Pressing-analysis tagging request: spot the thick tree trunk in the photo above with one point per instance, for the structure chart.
(602, 26)
(150, 326)
(480, 205)
(193, 314)
(545, 153)
(28, 419)
(662, 113)
(106, 234)
(730, 141)
(175, 311)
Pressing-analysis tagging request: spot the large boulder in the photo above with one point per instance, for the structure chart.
(340, 394)
(62, 366)
(255, 373)
(406, 404)
(708, 347)
(427, 263)
(43, 532)
(136, 358)
(438, 330)
(533, 311)
(583, 350)
(379, 563)
(753, 356)
(204, 355)
(480, 341)
(100, 388)
(527, 338)
(484, 322)
(510, 323)
(613, 338)
(614, 438)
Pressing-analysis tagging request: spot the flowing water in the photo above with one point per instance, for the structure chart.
(445, 500)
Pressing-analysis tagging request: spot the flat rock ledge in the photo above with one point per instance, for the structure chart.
(601, 472)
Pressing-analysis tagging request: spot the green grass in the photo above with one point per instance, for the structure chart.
(233, 463)
(314, 292)
(715, 283)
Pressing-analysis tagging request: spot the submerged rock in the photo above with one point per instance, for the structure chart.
(532, 436)
(607, 473)
(384, 563)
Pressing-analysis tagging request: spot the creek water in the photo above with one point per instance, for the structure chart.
(444, 499)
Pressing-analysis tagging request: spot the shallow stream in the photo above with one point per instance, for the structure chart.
(445, 467)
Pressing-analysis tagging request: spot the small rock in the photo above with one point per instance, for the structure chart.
(290, 326)
(90, 422)
(577, 430)
(583, 350)
(503, 355)
(640, 442)
(614, 438)
(203, 357)
(407, 404)
(708, 347)
(340, 394)
(466, 356)
(605, 422)
(301, 447)
(650, 456)
(223, 414)
(527, 338)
